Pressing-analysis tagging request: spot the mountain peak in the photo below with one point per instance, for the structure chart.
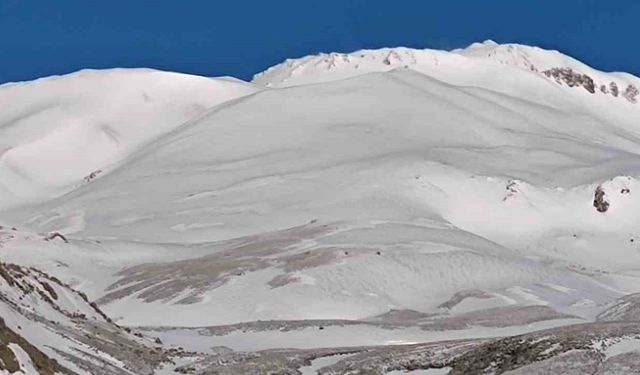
(486, 43)
(470, 66)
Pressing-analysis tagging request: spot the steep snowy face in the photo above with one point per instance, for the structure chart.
(480, 64)
(60, 132)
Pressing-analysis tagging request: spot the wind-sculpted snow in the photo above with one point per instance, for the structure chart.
(232, 259)
(305, 272)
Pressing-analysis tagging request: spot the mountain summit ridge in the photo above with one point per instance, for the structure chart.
(552, 64)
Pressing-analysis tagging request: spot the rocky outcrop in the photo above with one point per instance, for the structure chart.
(575, 349)
(626, 308)
(614, 89)
(598, 200)
(631, 93)
(88, 339)
(53, 235)
(571, 78)
(604, 89)
(9, 362)
(92, 176)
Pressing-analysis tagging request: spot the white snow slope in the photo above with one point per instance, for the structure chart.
(346, 186)
(57, 131)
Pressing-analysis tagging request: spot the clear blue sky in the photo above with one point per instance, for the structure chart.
(240, 38)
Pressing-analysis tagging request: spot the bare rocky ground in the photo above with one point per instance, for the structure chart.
(61, 331)
(98, 346)
(495, 317)
(566, 350)
(577, 349)
(164, 281)
(86, 340)
(574, 349)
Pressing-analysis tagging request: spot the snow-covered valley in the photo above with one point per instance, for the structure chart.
(383, 210)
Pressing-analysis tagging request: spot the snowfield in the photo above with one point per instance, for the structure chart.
(57, 133)
(388, 210)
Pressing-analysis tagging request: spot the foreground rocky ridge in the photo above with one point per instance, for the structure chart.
(58, 330)
(578, 349)
(96, 345)
(81, 338)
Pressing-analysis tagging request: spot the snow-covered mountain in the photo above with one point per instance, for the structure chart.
(486, 65)
(57, 133)
(381, 198)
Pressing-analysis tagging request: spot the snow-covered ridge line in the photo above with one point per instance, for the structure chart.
(88, 72)
(551, 64)
(57, 131)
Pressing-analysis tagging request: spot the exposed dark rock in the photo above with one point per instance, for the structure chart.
(9, 362)
(55, 235)
(631, 93)
(599, 202)
(613, 87)
(576, 362)
(461, 296)
(571, 78)
(510, 353)
(512, 189)
(49, 289)
(495, 317)
(92, 175)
